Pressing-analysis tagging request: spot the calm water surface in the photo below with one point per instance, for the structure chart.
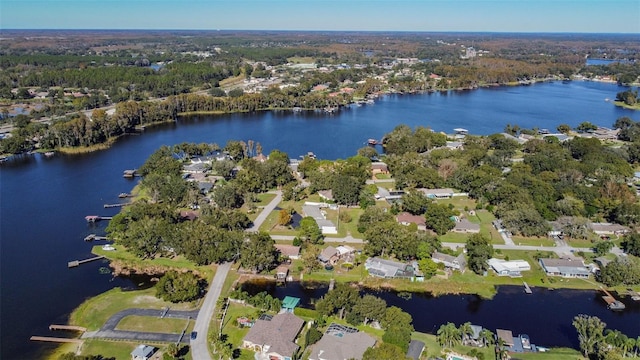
(43, 201)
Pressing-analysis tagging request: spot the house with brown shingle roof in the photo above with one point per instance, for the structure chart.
(275, 338)
(406, 219)
(289, 251)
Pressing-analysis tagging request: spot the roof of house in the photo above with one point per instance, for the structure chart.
(143, 351)
(445, 191)
(328, 253)
(288, 250)
(282, 269)
(385, 268)
(407, 218)
(500, 265)
(347, 346)
(467, 225)
(312, 211)
(279, 333)
(608, 227)
(326, 194)
(415, 349)
(506, 336)
(345, 249)
(290, 302)
(379, 166)
(564, 266)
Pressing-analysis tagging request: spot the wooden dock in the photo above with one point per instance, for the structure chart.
(612, 303)
(527, 289)
(92, 237)
(95, 218)
(67, 327)
(106, 206)
(55, 339)
(76, 263)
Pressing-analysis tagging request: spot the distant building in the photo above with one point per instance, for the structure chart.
(406, 219)
(342, 346)
(142, 352)
(326, 226)
(289, 251)
(466, 226)
(328, 256)
(326, 194)
(608, 229)
(437, 193)
(416, 347)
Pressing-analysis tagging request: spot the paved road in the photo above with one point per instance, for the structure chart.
(266, 211)
(108, 330)
(199, 346)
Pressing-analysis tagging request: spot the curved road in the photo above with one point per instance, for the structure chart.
(199, 348)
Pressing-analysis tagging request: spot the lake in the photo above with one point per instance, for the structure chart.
(43, 200)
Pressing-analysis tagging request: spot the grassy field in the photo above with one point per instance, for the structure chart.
(154, 324)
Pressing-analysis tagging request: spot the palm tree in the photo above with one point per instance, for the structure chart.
(466, 331)
(501, 351)
(487, 337)
(448, 334)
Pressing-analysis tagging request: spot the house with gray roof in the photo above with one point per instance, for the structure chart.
(608, 229)
(466, 226)
(343, 346)
(452, 262)
(388, 268)
(568, 268)
(416, 347)
(275, 338)
(328, 256)
(142, 352)
(326, 226)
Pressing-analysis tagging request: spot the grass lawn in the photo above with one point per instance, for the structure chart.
(264, 199)
(532, 241)
(389, 185)
(155, 324)
(345, 228)
(383, 176)
(94, 312)
(130, 260)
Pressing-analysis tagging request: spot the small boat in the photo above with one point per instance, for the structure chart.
(616, 306)
(372, 142)
(123, 195)
(49, 153)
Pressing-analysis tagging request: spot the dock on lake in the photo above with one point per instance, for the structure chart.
(67, 327)
(130, 173)
(527, 289)
(92, 237)
(95, 218)
(106, 206)
(54, 339)
(612, 303)
(76, 263)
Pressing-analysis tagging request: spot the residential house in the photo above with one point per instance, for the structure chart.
(288, 251)
(379, 168)
(416, 347)
(517, 344)
(328, 256)
(326, 195)
(452, 262)
(394, 196)
(512, 268)
(142, 352)
(388, 268)
(466, 226)
(568, 268)
(345, 252)
(326, 226)
(274, 339)
(506, 336)
(437, 193)
(406, 219)
(342, 346)
(281, 272)
(605, 229)
(454, 145)
(195, 168)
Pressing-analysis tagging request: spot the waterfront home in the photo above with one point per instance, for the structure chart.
(195, 168)
(474, 339)
(452, 262)
(288, 251)
(407, 219)
(336, 345)
(518, 344)
(326, 226)
(512, 268)
(379, 168)
(466, 226)
(142, 352)
(416, 347)
(345, 252)
(328, 256)
(274, 339)
(388, 269)
(567, 268)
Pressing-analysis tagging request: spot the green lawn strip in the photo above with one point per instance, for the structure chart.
(383, 176)
(532, 241)
(579, 243)
(345, 228)
(155, 324)
(454, 237)
(389, 185)
(340, 275)
(129, 259)
(264, 199)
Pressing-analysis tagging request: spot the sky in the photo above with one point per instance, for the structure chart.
(580, 16)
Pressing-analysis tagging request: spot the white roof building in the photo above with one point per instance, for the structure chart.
(508, 268)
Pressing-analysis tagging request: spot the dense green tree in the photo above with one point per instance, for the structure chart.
(602, 248)
(438, 218)
(373, 215)
(309, 231)
(370, 308)
(590, 332)
(415, 202)
(339, 300)
(227, 196)
(631, 244)
(384, 352)
(448, 335)
(346, 189)
(179, 287)
(258, 252)
(479, 250)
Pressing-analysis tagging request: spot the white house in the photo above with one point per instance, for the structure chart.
(511, 268)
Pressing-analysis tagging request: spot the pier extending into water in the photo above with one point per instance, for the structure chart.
(106, 206)
(76, 263)
(92, 237)
(527, 289)
(67, 327)
(95, 218)
(55, 339)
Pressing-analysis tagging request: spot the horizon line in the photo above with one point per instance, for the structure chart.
(327, 30)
